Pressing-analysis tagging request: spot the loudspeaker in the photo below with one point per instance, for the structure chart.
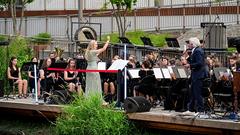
(1, 88)
(60, 97)
(136, 104)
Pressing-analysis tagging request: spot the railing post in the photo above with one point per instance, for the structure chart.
(159, 14)
(45, 5)
(171, 3)
(210, 11)
(112, 19)
(5, 23)
(184, 17)
(46, 21)
(26, 21)
(135, 19)
(64, 5)
(237, 11)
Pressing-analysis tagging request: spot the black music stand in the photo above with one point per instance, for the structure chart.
(146, 41)
(172, 42)
(32, 66)
(234, 42)
(125, 40)
(60, 65)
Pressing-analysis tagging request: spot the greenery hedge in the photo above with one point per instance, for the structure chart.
(87, 116)
(158, 40)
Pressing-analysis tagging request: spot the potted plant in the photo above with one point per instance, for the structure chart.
(41, 41)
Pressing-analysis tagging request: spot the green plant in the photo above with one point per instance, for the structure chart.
(41, 38)
(3, 38)
(18, 47)
(87, 116)
(158, 40)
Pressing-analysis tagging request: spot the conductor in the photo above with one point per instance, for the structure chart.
(198, 73)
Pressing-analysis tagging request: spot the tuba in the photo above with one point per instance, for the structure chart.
(59, 52)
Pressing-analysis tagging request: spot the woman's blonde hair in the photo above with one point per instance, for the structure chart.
(90, 47)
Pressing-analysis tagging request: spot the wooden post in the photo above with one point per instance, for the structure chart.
(46, 21)
(26, 25)
(210, 11)
(112, 19)
(64, 5)
(184, 17)
(5, 23)
(237, 11)
(135, 19)
(159, 14)
(45, 5)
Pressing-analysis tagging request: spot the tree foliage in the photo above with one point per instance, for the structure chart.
(120, 9)
(11, 5)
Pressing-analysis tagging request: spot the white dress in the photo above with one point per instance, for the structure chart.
(93, 81)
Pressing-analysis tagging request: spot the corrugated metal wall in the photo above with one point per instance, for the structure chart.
(73, 4)
(59, 26)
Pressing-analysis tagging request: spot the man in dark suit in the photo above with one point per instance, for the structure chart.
(198, 73)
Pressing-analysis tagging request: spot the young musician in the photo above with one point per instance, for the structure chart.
(14, 77)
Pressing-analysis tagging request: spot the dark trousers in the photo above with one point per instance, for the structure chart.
(196, 99)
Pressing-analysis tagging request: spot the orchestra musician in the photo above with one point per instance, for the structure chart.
(145, 87)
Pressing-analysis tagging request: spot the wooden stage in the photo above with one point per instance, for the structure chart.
(28, 107)
(156, 118)
(186, 122)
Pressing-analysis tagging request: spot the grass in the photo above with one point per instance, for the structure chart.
(12, 125)
(87, 116)
(158, 40)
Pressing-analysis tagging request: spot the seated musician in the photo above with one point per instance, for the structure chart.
(232, 63)
(46, 77)
(72, 78)
(31, 77)
(109, 82)
(146, 84)
(14, 77)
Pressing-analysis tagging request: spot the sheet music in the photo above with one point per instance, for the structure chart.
(170, 69)
(134, 73)
(166, 73)
(158, 73)
(182, 73)
(118, 65)
(101, 65)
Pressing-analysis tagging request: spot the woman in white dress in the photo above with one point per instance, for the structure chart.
(93, 81)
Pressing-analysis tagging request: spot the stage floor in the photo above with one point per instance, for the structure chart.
(156, 118)
(186, 122)
(28, 107)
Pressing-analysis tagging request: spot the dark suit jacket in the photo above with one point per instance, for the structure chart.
(197, 64)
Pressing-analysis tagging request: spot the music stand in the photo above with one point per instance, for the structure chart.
(125, 40)
(158, 73)
(234, 42)
(61, 65)
(172, 42)
(219, 71)
(27, 66)
(134, 73)
(119, 65)
(146, 41)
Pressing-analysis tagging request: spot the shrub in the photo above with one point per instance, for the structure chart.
(3, 38)
(41, 38)
(18, 47)
(158, 40)
(87, 116)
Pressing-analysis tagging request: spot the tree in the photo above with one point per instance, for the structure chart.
(120, 10)
(12, 6)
